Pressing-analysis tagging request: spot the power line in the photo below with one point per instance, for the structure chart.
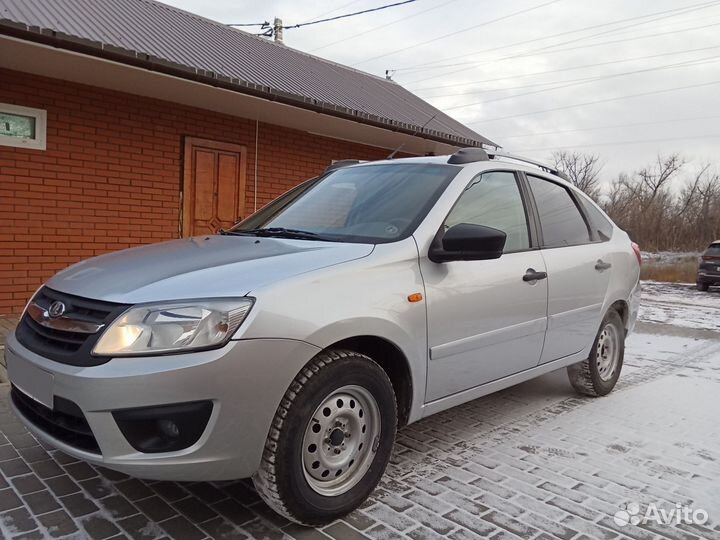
(616, 126)
(687, 63)
(536, 52)
(672, 20)
(484, 23)
(531, 52)
(534, 73)
(620, 143)
(588, 45)
(339, 8)
(608, 100)
(672, 12)
(300, 25)
(403, 19)
(266, 24)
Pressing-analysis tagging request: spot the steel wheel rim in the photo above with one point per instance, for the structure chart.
(607, 352)
(340, 440)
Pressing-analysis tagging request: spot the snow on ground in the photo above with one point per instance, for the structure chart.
(680, 304)
(668, 257)
(679, 336)
(641, 347)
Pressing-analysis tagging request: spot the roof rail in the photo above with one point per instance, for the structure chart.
(468, 155)
(542, 166)
(340, 163)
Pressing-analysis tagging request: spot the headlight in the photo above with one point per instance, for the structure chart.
(30, 301)
(173, 326)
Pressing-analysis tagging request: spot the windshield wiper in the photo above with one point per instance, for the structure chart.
(277, 232)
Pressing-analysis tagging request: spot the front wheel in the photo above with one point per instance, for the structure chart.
(701, 286)
(598, 374)
(330, 440)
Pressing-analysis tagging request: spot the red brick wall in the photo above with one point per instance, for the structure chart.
(111, 175)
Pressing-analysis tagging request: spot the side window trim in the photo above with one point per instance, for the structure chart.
(529, 217)
(533, 217)
(573, 198)
(533, 237)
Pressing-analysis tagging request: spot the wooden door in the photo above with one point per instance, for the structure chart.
(213, 186)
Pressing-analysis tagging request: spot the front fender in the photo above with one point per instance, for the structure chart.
(365, 297)
(393, 333)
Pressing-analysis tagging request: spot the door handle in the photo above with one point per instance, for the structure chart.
(532, 275)
(601, 265)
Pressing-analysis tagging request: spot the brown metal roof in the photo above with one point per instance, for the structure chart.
(153, 35)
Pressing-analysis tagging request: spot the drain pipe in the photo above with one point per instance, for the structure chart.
(257, 130)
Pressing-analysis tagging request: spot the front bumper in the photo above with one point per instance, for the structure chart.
(245, 380)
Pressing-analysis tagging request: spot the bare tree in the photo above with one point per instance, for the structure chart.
(582, 169)
(654, 179)
(708, 216)
(662, 214)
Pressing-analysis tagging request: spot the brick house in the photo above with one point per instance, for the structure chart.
(125, 122)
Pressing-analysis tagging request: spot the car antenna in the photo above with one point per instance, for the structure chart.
(392, 155)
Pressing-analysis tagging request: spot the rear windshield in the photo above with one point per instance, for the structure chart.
(367, 204)
(713, 250)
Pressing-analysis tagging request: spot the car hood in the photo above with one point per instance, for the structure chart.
(199, 267)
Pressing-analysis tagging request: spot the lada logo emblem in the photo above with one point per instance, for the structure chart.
(56, 309)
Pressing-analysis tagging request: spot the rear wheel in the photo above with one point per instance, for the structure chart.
(598, 374)
(330, 440)
(701, 286)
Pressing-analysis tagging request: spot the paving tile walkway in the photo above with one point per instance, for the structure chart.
(7, 325)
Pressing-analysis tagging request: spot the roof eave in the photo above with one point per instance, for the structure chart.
(136, 59)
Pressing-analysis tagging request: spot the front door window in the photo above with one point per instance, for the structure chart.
(493, 200)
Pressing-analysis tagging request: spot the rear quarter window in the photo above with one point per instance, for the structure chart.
(601, 226)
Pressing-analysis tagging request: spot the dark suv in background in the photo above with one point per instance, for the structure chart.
(709, 269)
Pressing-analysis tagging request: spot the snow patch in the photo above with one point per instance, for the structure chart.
(679, 304)
(669, 257)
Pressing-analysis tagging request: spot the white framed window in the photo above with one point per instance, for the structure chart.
(23, 127)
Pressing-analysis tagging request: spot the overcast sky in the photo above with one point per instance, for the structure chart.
(482, 63)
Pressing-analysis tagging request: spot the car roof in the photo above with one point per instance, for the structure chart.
(499, 162)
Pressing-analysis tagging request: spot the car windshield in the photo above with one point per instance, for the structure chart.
(713, 250)
(367, 204)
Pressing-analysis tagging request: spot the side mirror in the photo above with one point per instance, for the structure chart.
(467, 242)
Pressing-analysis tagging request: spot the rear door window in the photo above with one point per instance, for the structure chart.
(561, 222)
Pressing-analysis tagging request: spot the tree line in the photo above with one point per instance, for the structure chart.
(669, 205)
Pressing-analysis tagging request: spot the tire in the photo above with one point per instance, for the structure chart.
(597, 376)
(339, 415)
(703, 287)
